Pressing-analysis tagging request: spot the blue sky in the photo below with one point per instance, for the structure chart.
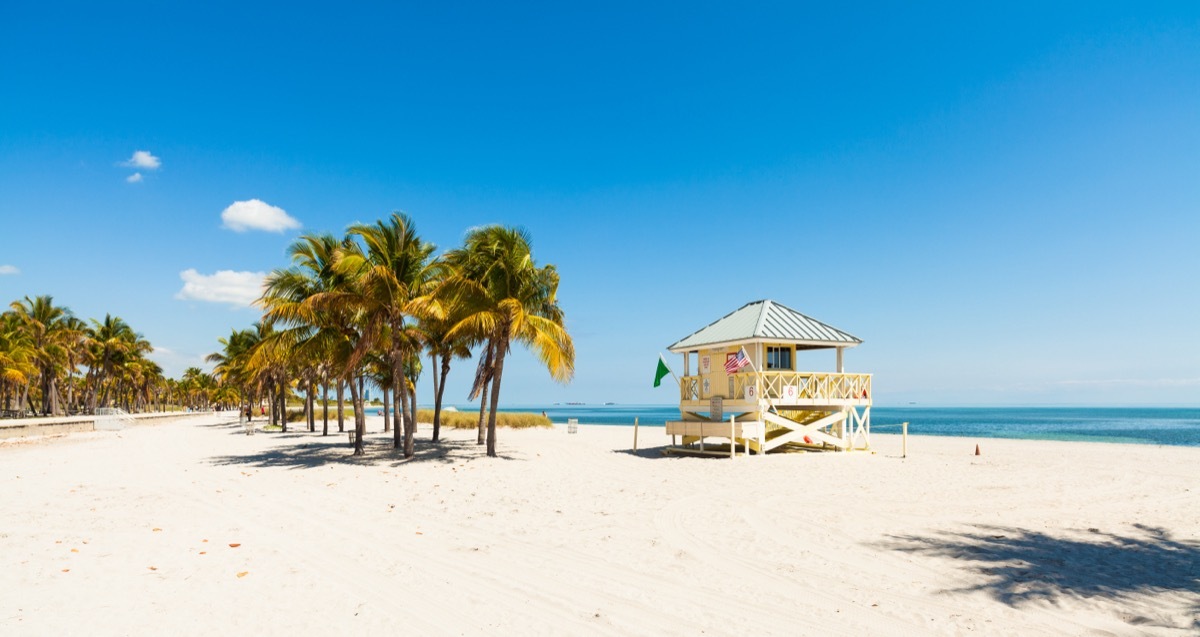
(1003, 202)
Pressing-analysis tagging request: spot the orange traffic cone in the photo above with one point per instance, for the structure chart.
(977, 450)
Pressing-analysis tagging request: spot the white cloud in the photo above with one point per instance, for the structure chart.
(164, 351)
(9, 269)
(143, 159)
(225, 286)
(134, 178)
(256, 214)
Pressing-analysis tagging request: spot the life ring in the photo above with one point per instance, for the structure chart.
(808, 440)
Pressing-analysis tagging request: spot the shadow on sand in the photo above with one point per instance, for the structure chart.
(647, 453)
(319, 451)
(1022, 566)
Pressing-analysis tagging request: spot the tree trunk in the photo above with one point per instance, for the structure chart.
(433, 374)
(483, 393)
(410, 438)
(325, 409)
(401, 394)
(437, 399)
(387, 394)
(499, 373)
(397, 413)
(312, 418)
(359, 429)
(341, 392)
(281, 401)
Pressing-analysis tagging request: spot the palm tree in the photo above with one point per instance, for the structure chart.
(391, 282)
(109, 341)
(379, 370)
(309, 300)
(434, 332)
(506, 297)
(75, 339)
(17, 361)
(230, 364)
(45, 324)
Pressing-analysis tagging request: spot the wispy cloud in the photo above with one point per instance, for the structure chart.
(256, 214)
(134, 178)
(144, 160)
(1132, 382)
(225, 286)
(9, 269)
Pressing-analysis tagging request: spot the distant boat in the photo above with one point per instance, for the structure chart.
(610, 403)
(576, 403)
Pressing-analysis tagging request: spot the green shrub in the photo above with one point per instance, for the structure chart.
(470, 420)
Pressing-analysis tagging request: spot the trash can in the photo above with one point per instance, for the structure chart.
(572, 425)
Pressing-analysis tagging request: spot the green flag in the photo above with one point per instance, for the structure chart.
(661, 372)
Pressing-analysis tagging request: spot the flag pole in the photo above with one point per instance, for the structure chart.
(664, 362)
(757, 371)
(749, 360)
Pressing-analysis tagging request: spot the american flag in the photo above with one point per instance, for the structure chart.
(734, 364)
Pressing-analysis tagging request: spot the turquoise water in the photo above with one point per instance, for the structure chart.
(1140, 425)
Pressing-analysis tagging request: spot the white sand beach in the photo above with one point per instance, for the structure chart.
(191, 527)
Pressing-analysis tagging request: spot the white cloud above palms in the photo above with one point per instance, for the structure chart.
(134, 178)
(143, 159)
(240, 289)
(9, 269)
(257, 214)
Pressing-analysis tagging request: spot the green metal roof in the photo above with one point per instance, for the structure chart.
(766, 320)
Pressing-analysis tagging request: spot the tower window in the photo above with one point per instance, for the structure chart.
(779, 358)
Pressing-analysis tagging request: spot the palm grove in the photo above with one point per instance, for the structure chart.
(372, 305)
(53, 363)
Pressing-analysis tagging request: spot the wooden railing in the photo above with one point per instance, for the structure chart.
(782, 386)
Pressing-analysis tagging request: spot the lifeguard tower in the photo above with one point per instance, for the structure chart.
(763, 402)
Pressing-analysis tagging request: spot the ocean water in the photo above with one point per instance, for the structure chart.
(1141, 425)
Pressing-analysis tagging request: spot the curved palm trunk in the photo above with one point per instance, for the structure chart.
(407, 420)
(439, 390)
(341, 393)
(498, 374)
(483, 410)
(360, 424)
(387, 394)
(483, 394)
(396, 414)
(411, 441)
(281, 401)
(325, 409)
(401, 394)
(308, 407)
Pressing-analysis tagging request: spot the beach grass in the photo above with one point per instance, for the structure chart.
(470, 420)
(451, 419)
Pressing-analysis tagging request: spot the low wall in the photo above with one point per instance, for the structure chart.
(50, 426)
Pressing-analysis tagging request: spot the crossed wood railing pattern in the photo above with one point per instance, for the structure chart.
(783, 386)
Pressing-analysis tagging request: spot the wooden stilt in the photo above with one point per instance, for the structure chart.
(635, 428)
(732, 438)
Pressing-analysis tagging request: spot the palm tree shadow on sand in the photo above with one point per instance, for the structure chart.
(1150, 569)
(332, 450)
